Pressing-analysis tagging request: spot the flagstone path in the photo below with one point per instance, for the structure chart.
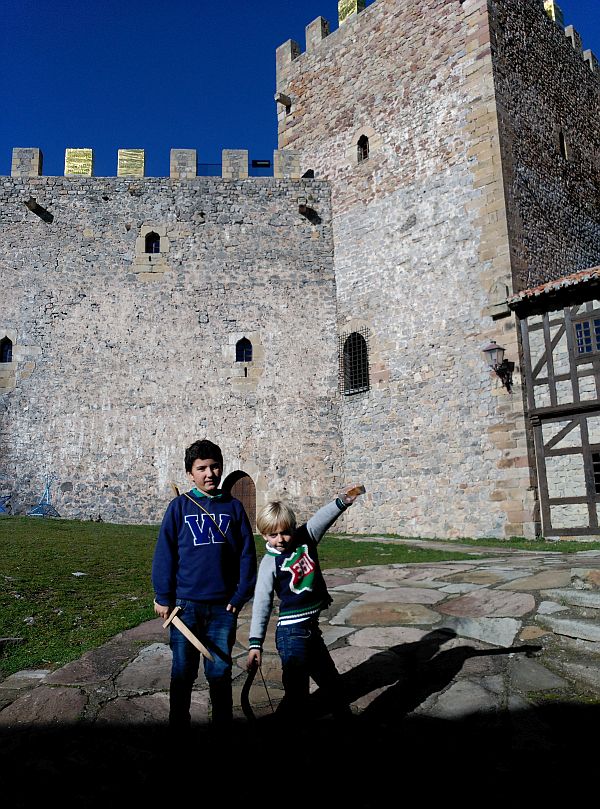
(476, 681)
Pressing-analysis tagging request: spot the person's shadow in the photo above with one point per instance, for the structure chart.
(410, 673)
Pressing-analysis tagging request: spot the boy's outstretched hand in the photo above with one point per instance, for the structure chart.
(254, 659)
(350, 494)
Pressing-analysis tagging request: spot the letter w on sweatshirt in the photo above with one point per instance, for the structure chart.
(203, 527)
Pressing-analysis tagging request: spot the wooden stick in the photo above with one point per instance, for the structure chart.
(176, 621)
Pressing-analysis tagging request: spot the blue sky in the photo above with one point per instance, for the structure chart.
(157, 74)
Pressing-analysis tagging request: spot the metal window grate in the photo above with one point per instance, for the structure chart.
(353, 352)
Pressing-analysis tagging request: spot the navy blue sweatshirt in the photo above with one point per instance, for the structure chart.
(204, 558)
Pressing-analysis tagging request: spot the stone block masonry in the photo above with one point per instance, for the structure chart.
(548, 110)
(458, 143)
(117, 370)
(425, 254)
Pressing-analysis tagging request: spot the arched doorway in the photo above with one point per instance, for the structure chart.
(240, 485)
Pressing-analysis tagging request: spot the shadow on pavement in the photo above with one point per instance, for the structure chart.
(384, 756)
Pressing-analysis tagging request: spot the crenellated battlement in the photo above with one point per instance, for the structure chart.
(555, 13)
(28, 162)
(319, 30)
(315, 32)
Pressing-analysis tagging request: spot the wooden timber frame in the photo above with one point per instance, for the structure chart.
(560, 337)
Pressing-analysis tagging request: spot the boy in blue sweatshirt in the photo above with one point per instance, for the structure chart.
(291, 569)
(205, 563)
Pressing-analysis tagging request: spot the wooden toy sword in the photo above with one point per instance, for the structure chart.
(176, 621)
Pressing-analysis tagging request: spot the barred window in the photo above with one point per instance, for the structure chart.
(5, 350)
(587, 336)
(363, 148)
(354, 362)
(243, 350)
(152, 242)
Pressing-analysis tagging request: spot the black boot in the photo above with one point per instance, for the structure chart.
(221, 701)
(180, 697)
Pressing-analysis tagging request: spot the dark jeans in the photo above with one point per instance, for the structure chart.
(304, 655)
(215, 627)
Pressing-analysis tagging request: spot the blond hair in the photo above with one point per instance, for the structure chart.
(275, 516)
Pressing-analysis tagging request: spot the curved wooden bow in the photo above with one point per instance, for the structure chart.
(245, 697)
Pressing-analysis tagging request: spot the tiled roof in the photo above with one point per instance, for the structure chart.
(566, 284)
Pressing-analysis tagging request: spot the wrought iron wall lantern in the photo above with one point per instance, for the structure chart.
(494, 355)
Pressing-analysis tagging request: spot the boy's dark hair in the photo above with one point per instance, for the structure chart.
(200, 450)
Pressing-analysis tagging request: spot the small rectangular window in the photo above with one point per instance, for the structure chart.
(596, 464)
(587, 336)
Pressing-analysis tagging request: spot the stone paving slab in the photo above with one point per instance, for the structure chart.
(392, 629)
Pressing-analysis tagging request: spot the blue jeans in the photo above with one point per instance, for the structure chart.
(304, 655)
(215, 627)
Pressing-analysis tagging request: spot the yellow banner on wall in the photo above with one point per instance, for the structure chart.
(79, 162)
(348, 7)
(130, 163)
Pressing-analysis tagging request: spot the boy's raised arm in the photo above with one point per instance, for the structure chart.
(320, 522)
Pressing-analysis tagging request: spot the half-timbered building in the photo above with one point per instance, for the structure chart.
(560, 330)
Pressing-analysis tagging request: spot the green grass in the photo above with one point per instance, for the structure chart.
(60, 615)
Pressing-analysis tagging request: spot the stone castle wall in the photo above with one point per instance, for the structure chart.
(552, 187)
(421, 258)
(122, 358)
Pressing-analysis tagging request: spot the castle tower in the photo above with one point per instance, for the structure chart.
(449, 193)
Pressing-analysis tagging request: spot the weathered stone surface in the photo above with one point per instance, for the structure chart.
(385, 613)
(331, 634)
(586, 630)
(495, 631)
(430, 574)
(386, 636)
(151, 670)
(461, 588)
(588, 674)
(232, 252)
(334, 581)
(93, 666)
(45, 705)
(588, 578)
(384, 575)
(494, 683)
(550, 607)
(540, 581)
(489, 603)
(148, 631)
(28, 678)
(577, 598)
(358, 587)
(485, 577)
(463, 699)
(406, 595)
(527, 675)
(143, 710)
(532, 633)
